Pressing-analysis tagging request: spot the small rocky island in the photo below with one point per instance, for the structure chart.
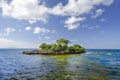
(61, 47)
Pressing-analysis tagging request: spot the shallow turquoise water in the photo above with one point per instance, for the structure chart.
(92, 65)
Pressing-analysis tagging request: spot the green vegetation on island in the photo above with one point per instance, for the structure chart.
(61, 47)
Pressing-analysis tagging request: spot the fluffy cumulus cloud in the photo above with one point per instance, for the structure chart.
(73, 22)
(9, 43)
(78, 7)
(39, 30)
(35, 10)
(7, 31)
(98, 13)
(25, 10)
(28, 28)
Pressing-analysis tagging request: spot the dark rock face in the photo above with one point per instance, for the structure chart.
(35, 52)
(31, 52)
(38, 52)
(44, 52)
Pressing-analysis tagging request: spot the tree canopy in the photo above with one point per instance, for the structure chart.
(62, 41)
(61, 46)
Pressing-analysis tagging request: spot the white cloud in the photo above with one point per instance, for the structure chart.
(39, 30)
(78, 7)
(35, 10)
(73, 8)
(98, 13)
(108, 2)
(32, 21)
(73, 22)
(25, 10)
(8, 43)
(28, 28)
(8, 30)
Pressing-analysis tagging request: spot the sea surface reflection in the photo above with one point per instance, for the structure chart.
(92, 65)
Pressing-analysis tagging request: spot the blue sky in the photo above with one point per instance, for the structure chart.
(91, 23)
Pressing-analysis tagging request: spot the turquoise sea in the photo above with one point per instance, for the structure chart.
(95, 64)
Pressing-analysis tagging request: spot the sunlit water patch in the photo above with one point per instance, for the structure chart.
(92, 65)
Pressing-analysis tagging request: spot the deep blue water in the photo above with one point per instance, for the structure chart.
(95, 64)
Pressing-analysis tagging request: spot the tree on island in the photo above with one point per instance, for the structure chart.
(61, 46)
(62, 41)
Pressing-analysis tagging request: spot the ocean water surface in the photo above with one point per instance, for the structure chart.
(95, 64)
